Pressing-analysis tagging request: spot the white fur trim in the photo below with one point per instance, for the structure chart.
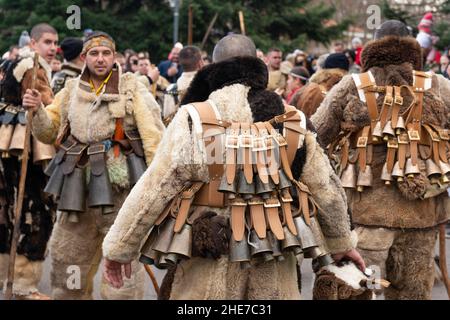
(22, 67)
(348, 273)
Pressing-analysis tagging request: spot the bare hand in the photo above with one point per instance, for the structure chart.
(113, 272)
(154, 74)
(352, 255)
(32, 100)
(172, 71)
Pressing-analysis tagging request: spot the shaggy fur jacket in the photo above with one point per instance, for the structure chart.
(237, 87)
(92, 118)
(391, 61)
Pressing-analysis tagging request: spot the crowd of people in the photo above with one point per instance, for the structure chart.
(126, 168)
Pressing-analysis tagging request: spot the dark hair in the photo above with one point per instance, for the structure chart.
(128, 63)
(350, 53)
(392, 28)
(189, 58)
(41, 28)
(273, 50)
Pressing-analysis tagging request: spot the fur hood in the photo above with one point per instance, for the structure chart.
(328, 77)
(392, 51)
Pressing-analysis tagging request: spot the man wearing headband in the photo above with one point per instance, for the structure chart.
(108, 127)
(297, 79)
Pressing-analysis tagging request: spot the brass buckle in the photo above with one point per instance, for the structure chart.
(443, 134)
(239, 203)
(286, 198)
(63, 146)
(362, 142)
(77, 151)
(232, 141)
(255, 202)
(392, 144)
(388, 100)
(398, 100)
(435, 137)
(414, 135)
(280, 140)
(259, 144)
(276, 204)
(269, 144)
(12, 109)
(403, 139)
(244, 143)
(96, 149)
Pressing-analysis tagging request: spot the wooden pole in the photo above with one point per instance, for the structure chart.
(443, 258)
(152, 278)
(21, 191)
(242, 22)
(190, 25)
(208, 31)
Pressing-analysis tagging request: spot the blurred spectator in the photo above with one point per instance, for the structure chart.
(297, 78)
(170, 69)
(56, 63)
(351, 56)
(357, 45)
(120, 60)
(260, 55)
(206, 58)
(277, 80)
(444, 64)
(132, 63)
(13, 53)
(338, 47)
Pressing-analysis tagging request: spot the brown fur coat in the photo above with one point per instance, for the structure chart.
(391, 60)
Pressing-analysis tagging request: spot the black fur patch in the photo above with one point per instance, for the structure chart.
(210, 236)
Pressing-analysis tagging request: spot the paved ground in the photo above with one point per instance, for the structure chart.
(439, 292)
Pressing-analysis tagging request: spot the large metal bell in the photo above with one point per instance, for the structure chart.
(239, 250)
(388, 131)
(275, 244)
(226, 187)
(136, 167)
(245, 189)
(42, 152)
(348, 176)
(55, 183)
(398, 173)
(284, 180)
(165, 236)
(410, 169)
(6, 133)
(148, 255)
(260, 247)
(18, 140)
(386, 176)
(182, 242)
(377, 134)
(365, 178)
(432, 168)
(73, 193)
(400, 125)
(100, 190)
(290, 242)
(305, 234)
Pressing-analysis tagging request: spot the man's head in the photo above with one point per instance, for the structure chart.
(44, 41)
(71, 48)
(99, 51)
(392, 28)
(337, 61)
(13, 53)
(297, 78)
(175, 54)
(357, 43)
(120, 59)
(338, 47)
(144, 65)
(234, 45)
(274, 57)
(191, 58)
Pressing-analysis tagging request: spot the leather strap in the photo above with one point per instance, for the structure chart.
(97, 158)
(271, 162)
(403, 142)
(245, 148)
(362, 148)
(391, 151)
(398, 102)
(371, 99)
(232, 145)
(282, 147)
(259, 152)
(272, 206)
(237, 218)
(288, 219)
(187, 197)
(73, 156)
(256, 205)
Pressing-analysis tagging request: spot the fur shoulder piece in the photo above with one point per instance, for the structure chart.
(248, 71)
(392, 50)
(328, 77)
(22, 67)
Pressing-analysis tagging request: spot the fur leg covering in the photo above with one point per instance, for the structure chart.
(410, 266)
(27, 274)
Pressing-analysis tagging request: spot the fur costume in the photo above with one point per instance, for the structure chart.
(237, 87)
(92, 119)
(36, 222)
(391, 61)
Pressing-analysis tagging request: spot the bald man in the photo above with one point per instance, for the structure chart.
(234, 87)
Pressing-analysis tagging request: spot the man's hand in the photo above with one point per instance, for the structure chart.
(173, 70)
(113, 272)
(32, 100)
(352, 255)
(154, 74)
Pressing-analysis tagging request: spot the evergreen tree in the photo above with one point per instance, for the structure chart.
(147, 25)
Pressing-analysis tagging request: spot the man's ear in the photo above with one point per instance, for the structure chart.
(83, 57)
(33, 43)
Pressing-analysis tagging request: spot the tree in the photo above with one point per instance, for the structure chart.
(146, 25)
